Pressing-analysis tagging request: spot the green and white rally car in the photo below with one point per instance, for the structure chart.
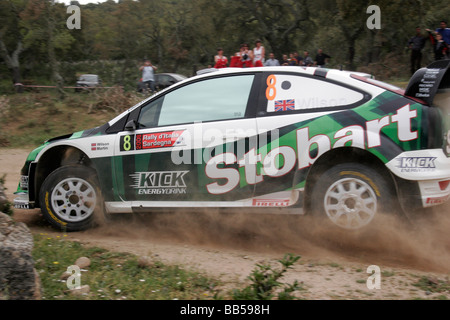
(305, 140)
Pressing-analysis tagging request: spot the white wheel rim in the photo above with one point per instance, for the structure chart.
(350, 203)
(74, 199)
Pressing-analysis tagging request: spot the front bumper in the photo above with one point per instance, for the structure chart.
(22, 202)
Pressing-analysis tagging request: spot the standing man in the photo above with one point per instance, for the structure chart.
(444, 31)
(416, 44)
(440, 47)
(321, 59)
(298, 58)
(148, 76)
(271, 61)
(307, 60)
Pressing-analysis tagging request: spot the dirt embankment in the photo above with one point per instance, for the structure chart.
(229, 245)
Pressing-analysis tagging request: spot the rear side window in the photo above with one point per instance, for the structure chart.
(287, 93)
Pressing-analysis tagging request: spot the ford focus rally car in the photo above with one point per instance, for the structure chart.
(327, 142)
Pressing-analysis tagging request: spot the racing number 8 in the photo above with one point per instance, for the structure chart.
(271, 91)
(126, 143)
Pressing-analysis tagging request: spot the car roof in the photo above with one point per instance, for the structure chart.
(333, 74)
(296, 69)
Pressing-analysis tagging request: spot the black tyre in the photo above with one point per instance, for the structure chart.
(351, 195)
(71, 199)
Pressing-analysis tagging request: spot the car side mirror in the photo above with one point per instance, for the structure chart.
(131, 125)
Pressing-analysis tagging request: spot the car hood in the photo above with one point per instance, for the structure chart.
(80, 134)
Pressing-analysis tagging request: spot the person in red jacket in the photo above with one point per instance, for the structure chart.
(243, 58)
(220, 60)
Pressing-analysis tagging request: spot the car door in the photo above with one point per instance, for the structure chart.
(185, 146)
(289, 104)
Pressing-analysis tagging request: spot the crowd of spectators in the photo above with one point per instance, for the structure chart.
(256, 57)
(440, 43)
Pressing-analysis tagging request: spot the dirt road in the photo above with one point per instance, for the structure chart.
(229, 245)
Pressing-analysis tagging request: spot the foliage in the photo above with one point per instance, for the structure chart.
(433, 285)
(31, 124)
(114, 99)
(124, 276)
(5, 108)
(182, 36)
(265, 284)
(113, 275)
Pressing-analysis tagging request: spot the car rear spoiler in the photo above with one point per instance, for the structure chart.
(426, 82)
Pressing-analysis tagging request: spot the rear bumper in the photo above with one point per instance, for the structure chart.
(22, 202)
(434, 192)
(429, 169)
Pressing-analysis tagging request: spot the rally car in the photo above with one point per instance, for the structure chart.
(332, 143)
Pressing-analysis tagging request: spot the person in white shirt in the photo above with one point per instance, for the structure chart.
(148, 76)
(259, 54)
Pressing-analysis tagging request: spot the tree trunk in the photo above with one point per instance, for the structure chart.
(56, 76)
(13, 63)
(351, 54)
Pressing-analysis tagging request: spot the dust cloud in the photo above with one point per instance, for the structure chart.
(422, 244)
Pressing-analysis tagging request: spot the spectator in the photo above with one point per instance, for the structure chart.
(259, 54)
(440, 47)
(307, 60)
(271, 61)
(298, 58)
(444, 31)
(220, 60)
(285, 60)
(243, 58)
(148, 76)
(292, 60)
(321, 59)
(416, 44)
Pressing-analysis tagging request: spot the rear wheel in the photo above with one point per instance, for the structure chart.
(351, 195)
(70, 198)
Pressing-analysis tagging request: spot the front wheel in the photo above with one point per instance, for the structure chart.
(351, 195)
(70, 197)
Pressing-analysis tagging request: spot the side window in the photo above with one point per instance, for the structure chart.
(207, 100)
(149, 113)
(286, 92)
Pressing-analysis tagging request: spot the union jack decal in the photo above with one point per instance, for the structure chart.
(284, 105)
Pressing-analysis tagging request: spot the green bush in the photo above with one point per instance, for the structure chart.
(266, 285)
